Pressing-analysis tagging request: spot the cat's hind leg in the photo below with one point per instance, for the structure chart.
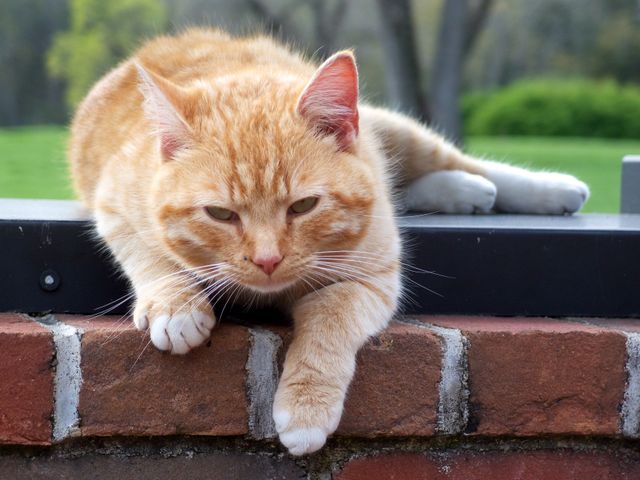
(437, 176)
(525, 191)
(501, 187)
(451, 191)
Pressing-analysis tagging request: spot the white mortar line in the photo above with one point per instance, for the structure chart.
(453, 390)
(68, 377)
(262, 381)
(631, 405)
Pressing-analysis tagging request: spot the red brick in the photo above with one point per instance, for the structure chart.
(395, 389)
(541, 376)
(26, 397)
(620, 324)
(130, 388)
(476, 465)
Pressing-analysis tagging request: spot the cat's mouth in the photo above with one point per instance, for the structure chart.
(270, 285)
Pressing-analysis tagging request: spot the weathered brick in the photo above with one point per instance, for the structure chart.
(539, 376)
(477, 465)
(395, 389)
(191, 465)
(130, 388)
(26, 369)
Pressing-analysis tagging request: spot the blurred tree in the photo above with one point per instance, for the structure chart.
(328, 21)
(276, 21)
(324, 17)
(26, 31)
(402, 69)
(101, 33)
(557, 38)
(404, 52)
(460, 25)
(617, 50)
(445, 81)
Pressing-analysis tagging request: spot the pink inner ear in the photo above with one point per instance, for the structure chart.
(171, 128)
(330, 100)
(169, 145)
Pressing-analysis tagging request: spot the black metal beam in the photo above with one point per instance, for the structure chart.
(585, 265)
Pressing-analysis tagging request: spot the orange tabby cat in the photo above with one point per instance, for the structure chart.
(221, 167)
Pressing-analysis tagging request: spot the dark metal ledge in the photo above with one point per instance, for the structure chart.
(585, 265)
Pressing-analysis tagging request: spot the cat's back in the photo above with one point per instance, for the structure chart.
(111, 120)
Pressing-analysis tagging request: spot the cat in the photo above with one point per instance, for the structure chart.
(221, 168)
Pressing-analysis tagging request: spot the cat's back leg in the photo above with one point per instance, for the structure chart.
(437, 176)
(501, 187)
(525, 191)
(450, 191)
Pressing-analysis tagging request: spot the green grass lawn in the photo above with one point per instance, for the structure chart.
(32, 162)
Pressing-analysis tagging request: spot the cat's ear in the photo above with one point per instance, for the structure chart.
(162, 101)
(330, 100)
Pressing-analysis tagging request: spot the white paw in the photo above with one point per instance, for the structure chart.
(302, 440)
(281, 418)
(543, 193)
(522, 191)
(181, 332)
(451, 191)
(177, 332)
(557, 193)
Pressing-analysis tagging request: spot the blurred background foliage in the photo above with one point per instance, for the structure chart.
(99, 34)
(474, 69)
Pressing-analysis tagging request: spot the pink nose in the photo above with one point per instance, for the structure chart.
(268, 264)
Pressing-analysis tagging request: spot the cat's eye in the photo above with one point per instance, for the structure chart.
(222, 214)
(303, 206)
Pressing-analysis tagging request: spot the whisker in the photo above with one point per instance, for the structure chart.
(364, 256)
(238, 286)
(103, 310)
(306, 278)
(116, 330)
(349, 269)
(140, 355)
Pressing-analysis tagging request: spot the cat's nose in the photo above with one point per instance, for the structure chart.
(267, 263)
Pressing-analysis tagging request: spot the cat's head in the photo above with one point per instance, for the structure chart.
(261, 175)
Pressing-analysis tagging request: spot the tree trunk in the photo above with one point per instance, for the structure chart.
(475, 23)
(327, 22)
(276, 23)
(401, 60)
(447, 69)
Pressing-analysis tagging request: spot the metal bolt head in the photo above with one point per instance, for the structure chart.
(49, 280)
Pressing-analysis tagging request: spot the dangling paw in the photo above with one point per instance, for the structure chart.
(304, 422)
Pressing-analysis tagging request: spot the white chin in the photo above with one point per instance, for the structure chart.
(271, 287)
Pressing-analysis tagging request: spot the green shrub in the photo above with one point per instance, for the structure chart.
(582, 108)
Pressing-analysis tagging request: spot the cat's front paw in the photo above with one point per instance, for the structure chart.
(176, 329)
(304, 422)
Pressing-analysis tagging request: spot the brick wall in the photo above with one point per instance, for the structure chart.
(433, 397)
